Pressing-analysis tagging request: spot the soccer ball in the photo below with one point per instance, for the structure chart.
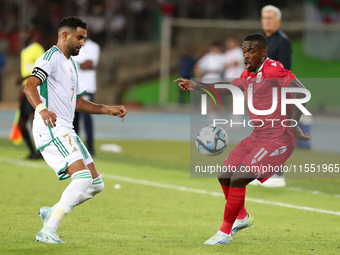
(211, 140)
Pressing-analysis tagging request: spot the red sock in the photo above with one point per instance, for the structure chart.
(243, 212)
(225, 191)
(233, 206)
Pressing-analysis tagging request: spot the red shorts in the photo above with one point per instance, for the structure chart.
(261, 156)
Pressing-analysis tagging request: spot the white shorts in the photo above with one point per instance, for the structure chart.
(63, 151)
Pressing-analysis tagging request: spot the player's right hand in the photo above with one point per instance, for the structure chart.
(184, 84)
(49, 118)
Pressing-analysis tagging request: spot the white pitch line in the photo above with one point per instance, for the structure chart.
(175, 187)
(211, 193)
(26, 163)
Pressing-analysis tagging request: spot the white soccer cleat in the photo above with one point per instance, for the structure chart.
(242, 224)
(218, 239)
(45, 214)
(47, 237)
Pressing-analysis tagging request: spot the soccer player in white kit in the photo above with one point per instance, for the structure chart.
(53, 90)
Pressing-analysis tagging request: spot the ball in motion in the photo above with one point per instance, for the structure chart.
(211, 140)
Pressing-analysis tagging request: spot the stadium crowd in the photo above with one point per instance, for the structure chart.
(114, 20)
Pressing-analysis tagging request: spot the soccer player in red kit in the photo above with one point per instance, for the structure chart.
(270, 143)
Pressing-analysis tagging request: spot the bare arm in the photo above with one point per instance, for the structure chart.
(33, 97)
(87, 65)
(296, 115)
(85, 106)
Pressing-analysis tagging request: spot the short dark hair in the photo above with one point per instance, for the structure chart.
(72, 22)
(216, 44)
(259, 38)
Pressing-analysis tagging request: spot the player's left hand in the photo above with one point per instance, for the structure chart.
(118, 111)
(297, 132)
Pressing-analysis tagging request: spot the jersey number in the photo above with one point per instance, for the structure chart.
(72, 93)
(69, 139)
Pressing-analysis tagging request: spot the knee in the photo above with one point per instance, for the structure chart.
(236, 182)
(239, 181)
(224, 178)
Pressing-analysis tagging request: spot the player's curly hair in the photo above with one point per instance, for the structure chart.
(259, 38)
(72, 22)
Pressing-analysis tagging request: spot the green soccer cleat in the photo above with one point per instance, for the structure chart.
(218, 239)
(45, 214)
(47, 237)
(241, 224)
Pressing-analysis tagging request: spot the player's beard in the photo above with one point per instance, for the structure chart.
(72, 49)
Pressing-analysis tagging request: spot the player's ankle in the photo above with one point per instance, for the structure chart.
(222, 233)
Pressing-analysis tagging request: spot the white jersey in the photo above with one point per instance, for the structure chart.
(234, 56)
(212, 66)
(87, 78)
(59, 90)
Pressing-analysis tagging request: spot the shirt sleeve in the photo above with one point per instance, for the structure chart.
(283, 76)
(80, 89)
(42, 68)
(240, 82)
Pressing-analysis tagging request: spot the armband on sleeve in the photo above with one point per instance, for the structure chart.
(39, 73)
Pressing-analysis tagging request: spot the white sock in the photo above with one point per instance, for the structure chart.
(81, 181)
(96, 187)
(57, 215)
(222, 233)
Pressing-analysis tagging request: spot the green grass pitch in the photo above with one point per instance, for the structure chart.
(143, 218)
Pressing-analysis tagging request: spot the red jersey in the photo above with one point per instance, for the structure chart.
(271, 74)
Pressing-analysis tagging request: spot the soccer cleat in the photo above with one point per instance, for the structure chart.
(241, 224)
(218, 239)
(47, 237)
(45, 214)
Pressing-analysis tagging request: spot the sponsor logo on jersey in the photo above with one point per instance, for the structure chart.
(279, 151)
(258, 77)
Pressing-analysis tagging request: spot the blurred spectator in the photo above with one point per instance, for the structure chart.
(117, 27)
(210, 67)
(280, 49)
(141, 20)
(88, 60)
(279, 46)
(134, 20)
(233, 59)
(185, 66)
(29, 54)
(97, 23)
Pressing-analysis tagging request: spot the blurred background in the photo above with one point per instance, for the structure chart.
(143, 41)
